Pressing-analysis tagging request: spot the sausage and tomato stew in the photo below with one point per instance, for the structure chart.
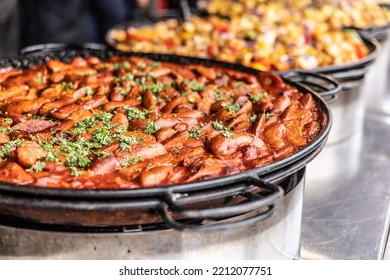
(130, 122)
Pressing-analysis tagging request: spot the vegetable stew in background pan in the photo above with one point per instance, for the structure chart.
(334, 13)
(130, 122)
(245, 40)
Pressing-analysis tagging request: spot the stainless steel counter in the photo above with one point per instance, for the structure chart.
(346, 208)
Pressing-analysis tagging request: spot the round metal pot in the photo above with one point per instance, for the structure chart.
(197, 220)
(377, 87)
(277, 237)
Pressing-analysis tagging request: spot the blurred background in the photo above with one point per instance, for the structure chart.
(29, 22)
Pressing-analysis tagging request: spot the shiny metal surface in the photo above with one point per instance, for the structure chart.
(347, 197)
(348, 112)
(377, 83)
(387, 249)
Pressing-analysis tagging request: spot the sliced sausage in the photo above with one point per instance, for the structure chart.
(33, 126)
(29, 153)
(105, 165)
(4, 138)
(21, 107)
(155, 176)
(94, 102)
(14, 173)
(120, 119)
(110, 106)
(223, 146)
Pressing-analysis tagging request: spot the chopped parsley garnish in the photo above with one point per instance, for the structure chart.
(130, 161)
(102, 136)
(253, 118)
(77, 152)
(219, 96)
(6, 130)
(148, 74)
(90, 72)
(227, 133)
(194, 133)
(258, 96)
(231, 108)
(224, 130)
(125, 147)
(134, 113)
(120, 65)
(172, 84)
(37, 167)
(102, 154)
(103, 66)
(42, 79)
(217, 125)
(121, 129)
(88, 123)
(126, 141)
(75, 159)
(176, 150)
(89, 91)
(7, 121)
(67, 86)
(269, 115)
(155, 64)
(47, 145)
(141, 64)
(75, 172)
(105, 118)
(156, 88)
(123, 91)
(196, 86)
(83, 126)
(37, 117)
(52, 156)
(6, 150)
(151, 127)
(78, 130)
(128, 77)
(239, 84)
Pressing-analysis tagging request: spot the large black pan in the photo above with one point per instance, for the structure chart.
(255, 190)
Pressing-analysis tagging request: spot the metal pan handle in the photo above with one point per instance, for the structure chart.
(34, 49)
(243, 214)
(216, 226)
(329, 99)
(185, 10)
(326, 86)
